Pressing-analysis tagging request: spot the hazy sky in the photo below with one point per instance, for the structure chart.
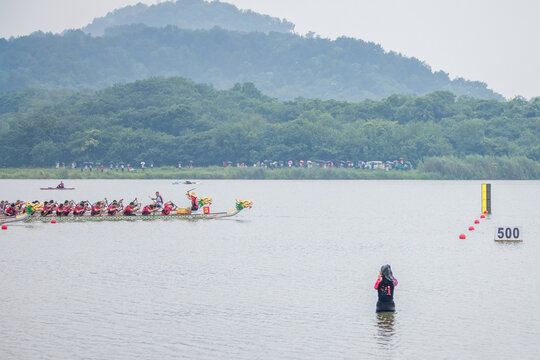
(495, 41)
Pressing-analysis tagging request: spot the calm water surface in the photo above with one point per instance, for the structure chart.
(291, 278)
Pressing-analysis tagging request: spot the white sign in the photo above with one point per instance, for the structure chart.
(508, 233)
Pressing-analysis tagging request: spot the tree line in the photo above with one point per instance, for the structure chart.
(167, 120)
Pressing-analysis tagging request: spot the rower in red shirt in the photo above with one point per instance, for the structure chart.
(133, 207)
(80, 209)
(167, 208)
(114, 208)
(98, 208)
(60, 209)
(68, 206)
(149, 209)
(48, 208)
(11, 210)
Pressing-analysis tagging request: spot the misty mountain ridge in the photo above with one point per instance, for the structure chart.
(190, 14)
(216, 43)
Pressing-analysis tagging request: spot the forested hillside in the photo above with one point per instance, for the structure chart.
(166, 120)
(285, 66)
(190, 14)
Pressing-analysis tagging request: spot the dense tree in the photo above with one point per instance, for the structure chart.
(166, 120)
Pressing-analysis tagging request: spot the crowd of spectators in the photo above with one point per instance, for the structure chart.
(400, 164)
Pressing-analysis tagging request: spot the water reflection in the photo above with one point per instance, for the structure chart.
(385, 328)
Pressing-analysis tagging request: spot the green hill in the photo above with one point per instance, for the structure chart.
(282, 65)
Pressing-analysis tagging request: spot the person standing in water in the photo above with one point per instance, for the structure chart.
(385, 289)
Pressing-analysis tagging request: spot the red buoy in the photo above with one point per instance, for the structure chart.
(462, 236)
(4, 227)
(471, 228)
(477, 221)
(485, 212)
(482, 216)
(53, 221)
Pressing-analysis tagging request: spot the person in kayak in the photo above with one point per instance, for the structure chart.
(61, 185)
(385, 285)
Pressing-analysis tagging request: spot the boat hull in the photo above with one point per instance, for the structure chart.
(10, 219)
(86, 218)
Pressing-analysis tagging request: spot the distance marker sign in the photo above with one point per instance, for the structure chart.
(508, 233)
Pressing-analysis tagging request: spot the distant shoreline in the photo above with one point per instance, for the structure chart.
(231, 173)
(215, 172)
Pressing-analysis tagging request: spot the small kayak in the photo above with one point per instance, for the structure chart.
(54, 188)
(187, 182)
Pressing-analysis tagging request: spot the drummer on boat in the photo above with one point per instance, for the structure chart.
(158, 200)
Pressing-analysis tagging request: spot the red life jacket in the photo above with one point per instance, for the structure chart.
(166, 209)
(112, 210)
(146, 210)
(128, 210)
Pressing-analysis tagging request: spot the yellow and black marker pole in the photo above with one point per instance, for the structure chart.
(486, 198)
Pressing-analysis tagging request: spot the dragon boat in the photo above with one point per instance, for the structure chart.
(186, 215)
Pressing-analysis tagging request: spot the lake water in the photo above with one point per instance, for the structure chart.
(291, 278)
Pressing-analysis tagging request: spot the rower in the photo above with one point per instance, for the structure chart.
(114, 208)
(149, 209)
(11, 210)
(132, 208)
(60, 209)
(48, 208)
(67, 207)
(61, 185)
(167, 208)
(97, 209)
(80, 209)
